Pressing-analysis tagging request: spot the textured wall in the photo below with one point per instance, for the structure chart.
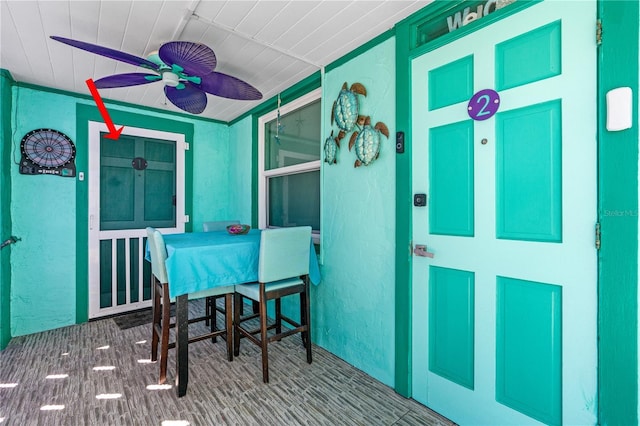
(43, 213)
(239, 162)
(353, 307)
(212, 197)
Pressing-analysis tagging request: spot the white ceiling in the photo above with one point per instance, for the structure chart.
(270, 44)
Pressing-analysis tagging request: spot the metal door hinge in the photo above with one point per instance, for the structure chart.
(598, 236)
(598, 32)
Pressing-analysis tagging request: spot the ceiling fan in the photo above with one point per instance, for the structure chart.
(185, 68)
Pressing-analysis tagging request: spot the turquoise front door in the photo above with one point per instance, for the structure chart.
(504, 313)
(137, 181)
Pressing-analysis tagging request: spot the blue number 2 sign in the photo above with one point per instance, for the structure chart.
(484, 104)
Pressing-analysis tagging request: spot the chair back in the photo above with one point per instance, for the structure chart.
(220, 225)
(158, 254)
(284, 253)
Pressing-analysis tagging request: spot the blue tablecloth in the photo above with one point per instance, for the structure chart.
(202, 260)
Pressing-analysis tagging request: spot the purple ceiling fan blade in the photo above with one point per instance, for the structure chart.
(195, 59)
(109, 53)
(227, 86)
(124, 80)
(190, 98)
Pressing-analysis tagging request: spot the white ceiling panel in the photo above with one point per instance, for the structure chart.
(233, 12)
(262, 14)
(118, 16)
(10, 37)
(269, 44)
(309, 24)
(169, 23)
(208, 9)
(196, 29)
(293, 12)
(27, 19)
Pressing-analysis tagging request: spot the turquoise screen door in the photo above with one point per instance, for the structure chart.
(504, 313)
(136, 185)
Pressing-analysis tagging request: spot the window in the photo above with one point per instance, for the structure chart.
(289, 165)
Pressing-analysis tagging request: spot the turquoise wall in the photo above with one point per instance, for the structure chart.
(5, 202)
(42, 209)
(240, 162)
(353, 307)
(212, 189)
(43, 264)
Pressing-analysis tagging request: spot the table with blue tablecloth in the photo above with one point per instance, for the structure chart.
(203, 260)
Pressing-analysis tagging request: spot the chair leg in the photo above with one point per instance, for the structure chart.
(278, 308)
(228, 322)
(263, 335)
(303, 319)
(207, 311)
(164, 344)
(155, 309)
(237, 301)
(212, 315)
(306, 316)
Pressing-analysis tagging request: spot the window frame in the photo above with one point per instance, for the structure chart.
(265, 175)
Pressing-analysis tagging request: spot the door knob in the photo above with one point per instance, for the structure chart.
(421, 250)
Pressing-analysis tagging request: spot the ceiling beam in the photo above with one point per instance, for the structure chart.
(253, 39)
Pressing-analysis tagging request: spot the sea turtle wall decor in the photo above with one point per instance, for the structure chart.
(331, 146)
(345, 112)
(346, 109)
(367, 142)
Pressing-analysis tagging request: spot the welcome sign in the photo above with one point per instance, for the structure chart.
(451, 20)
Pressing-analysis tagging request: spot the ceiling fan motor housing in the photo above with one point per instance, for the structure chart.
(170, 79)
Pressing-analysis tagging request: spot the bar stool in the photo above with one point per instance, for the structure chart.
(161, 304)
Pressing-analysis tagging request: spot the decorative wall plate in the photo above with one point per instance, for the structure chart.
(49, 152)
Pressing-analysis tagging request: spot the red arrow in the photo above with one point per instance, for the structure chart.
(113, 133)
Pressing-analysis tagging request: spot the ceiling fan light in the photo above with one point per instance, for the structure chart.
(170, 79)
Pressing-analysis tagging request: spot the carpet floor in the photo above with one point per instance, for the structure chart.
(137, 318)
(99, 373)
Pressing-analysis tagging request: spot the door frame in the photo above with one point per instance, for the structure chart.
(96, 235)
(617, 192)
(152, 121)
